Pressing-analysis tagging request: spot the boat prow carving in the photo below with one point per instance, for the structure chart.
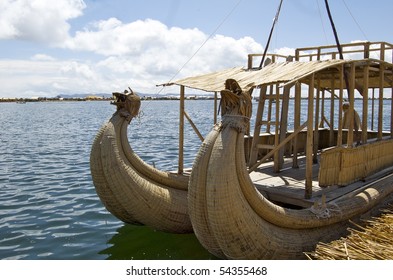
(132, 190)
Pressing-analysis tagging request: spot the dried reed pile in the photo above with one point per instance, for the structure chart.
(371, 242)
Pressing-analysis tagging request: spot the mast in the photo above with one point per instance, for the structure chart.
(340, 51)
(334, 30)
(270, 35)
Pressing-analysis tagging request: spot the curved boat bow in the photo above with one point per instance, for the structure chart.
(233, 220)
(130, 189)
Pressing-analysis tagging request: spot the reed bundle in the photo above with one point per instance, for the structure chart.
(371, 242)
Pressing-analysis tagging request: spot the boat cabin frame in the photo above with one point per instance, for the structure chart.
(309, 80)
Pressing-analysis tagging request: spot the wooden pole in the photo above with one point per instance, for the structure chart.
(322, 117)
(316, 122)
(365, 103)
(284, 123)
(198, 133)
(351, 113)
(340, 107)
(309, 148)
(276, 159)
(331, 131)
(391, 113)
(181, 132)
(215, 107)
(298, 92)
(372, 109)
(380, 102)
(269, 110)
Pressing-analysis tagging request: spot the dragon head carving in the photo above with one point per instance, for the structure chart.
(127, 103)
(236, 105)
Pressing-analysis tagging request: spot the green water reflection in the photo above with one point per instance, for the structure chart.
(143, 243)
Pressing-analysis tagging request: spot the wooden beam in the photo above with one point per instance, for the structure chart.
(277, 131)
(284, 123)
(331, 131)
(215, 107)
(180, 167)
(298, 92)
(316, 122)
(391, 113)
(340, 107)
(310, 142)
(380, 102)
(193, 126)
(351, 113)
(365, 103)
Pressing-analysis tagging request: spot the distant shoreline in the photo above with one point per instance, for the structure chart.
(94, 98)
(103, 98)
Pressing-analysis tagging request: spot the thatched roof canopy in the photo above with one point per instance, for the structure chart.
(286, 73)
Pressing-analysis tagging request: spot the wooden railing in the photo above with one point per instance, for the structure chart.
(365, 49)
(359, 50)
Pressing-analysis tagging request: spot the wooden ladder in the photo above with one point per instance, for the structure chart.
(279, 122)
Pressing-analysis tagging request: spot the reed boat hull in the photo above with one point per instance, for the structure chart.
(130, 189)
(233, 220)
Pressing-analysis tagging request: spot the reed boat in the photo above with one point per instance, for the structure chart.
(307, 169)
(132, 190)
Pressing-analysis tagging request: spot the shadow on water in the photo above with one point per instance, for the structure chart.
(144, 243)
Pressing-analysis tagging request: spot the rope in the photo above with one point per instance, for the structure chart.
(346, 6)
(320, 17)
(201, 46)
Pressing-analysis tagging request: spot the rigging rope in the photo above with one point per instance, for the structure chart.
(320, 17)
(270, 35)
(201, 46)
(349, 11)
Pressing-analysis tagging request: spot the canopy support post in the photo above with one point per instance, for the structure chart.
(310, 144)
(180, 167)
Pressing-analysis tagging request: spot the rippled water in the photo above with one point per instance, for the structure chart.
(48, 205)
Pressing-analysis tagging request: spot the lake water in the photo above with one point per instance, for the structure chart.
(48, 205)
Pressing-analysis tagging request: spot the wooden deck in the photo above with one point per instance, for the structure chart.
(287, 187)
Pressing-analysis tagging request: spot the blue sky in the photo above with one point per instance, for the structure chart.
(92, 46)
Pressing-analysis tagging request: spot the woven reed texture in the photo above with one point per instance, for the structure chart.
(282, 72)
(370, 242)
(232, 220)
(343, 166)
(132, 190)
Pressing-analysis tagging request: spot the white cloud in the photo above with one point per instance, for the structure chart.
(150, 51)
(38, 20)
(42, 57)
(140, 54)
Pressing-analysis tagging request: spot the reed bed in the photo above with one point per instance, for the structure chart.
(370, 242)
